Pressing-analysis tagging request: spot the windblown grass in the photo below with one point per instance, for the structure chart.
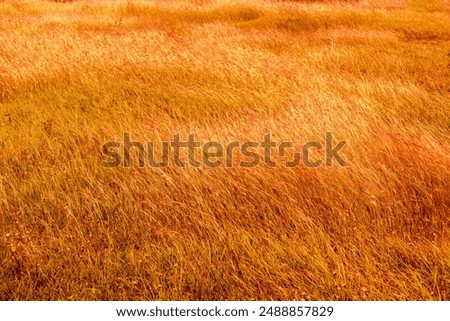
(75, 75)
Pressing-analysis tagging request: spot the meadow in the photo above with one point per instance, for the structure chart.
(77, 74)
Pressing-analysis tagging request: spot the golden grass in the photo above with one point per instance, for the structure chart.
(75, 75)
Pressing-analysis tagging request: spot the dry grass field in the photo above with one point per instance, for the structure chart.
(77, 74)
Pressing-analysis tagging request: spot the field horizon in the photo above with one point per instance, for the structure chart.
(75, 75)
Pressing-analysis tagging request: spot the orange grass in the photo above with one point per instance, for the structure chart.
(75, 75)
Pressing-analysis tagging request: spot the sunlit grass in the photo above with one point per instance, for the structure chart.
(76, 75)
